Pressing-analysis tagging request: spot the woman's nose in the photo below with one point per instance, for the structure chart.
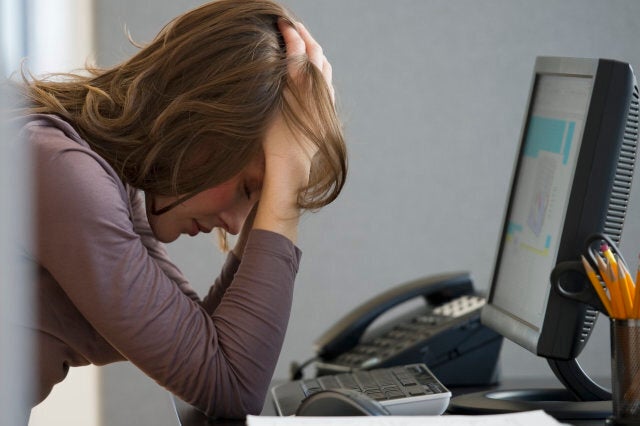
(236, 218)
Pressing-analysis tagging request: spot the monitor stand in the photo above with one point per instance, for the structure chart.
(582, 398)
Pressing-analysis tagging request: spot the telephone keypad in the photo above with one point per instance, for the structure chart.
(407, 334)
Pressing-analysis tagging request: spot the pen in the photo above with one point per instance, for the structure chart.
(597, 286)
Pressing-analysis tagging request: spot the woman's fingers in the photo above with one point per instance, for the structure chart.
(327, 72)
(316, 54)
(312, 48)
(298, 42)
(294, 44)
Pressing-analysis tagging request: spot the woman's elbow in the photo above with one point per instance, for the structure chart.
(254, 407)
(246, 405)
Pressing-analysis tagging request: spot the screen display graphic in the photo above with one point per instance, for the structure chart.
(544, 180)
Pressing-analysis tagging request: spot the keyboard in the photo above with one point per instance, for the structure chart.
(404, 390)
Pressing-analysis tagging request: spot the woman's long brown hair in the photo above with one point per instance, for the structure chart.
(190, 109)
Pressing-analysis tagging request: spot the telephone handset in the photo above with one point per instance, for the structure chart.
(445, 333)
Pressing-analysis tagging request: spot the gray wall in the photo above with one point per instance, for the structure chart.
(432, 94)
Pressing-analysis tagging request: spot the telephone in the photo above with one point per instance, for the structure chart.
(445, 334)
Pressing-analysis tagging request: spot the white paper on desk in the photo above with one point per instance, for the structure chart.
(528, 418)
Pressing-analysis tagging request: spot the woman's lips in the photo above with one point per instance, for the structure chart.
(224, 226)
(197, 227)
(202, 228)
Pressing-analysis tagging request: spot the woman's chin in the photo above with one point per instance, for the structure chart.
(163, 235)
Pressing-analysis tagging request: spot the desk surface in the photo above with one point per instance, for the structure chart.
(189, 416)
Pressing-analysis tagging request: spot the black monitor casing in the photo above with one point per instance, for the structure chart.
(597, 202)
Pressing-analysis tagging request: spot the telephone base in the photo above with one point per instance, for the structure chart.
(467, 356)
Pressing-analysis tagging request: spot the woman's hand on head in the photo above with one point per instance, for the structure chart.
(288, 153)
(282, 144)
(299, 43)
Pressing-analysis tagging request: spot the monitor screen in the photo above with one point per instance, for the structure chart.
(541, 197)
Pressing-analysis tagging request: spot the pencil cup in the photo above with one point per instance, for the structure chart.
(625, 371)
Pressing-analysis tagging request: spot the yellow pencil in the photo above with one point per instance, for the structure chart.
(616, 298)
(636, 298)
(625, 283)
(638, 271)
(611, 260)
(597, 286)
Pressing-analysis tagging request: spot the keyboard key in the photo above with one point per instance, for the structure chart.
(393, 393)
(328, 382)
(375, 394)
(347, 380)
(416, 390)
(310, 387)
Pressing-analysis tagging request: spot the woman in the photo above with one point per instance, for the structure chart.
(225, 120)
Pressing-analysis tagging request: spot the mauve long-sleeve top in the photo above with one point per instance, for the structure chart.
(107, 291)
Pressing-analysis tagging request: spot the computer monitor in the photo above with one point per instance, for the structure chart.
(572, 178)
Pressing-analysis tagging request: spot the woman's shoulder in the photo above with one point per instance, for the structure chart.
(50, 131)
(61, 154)
(51, 138)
